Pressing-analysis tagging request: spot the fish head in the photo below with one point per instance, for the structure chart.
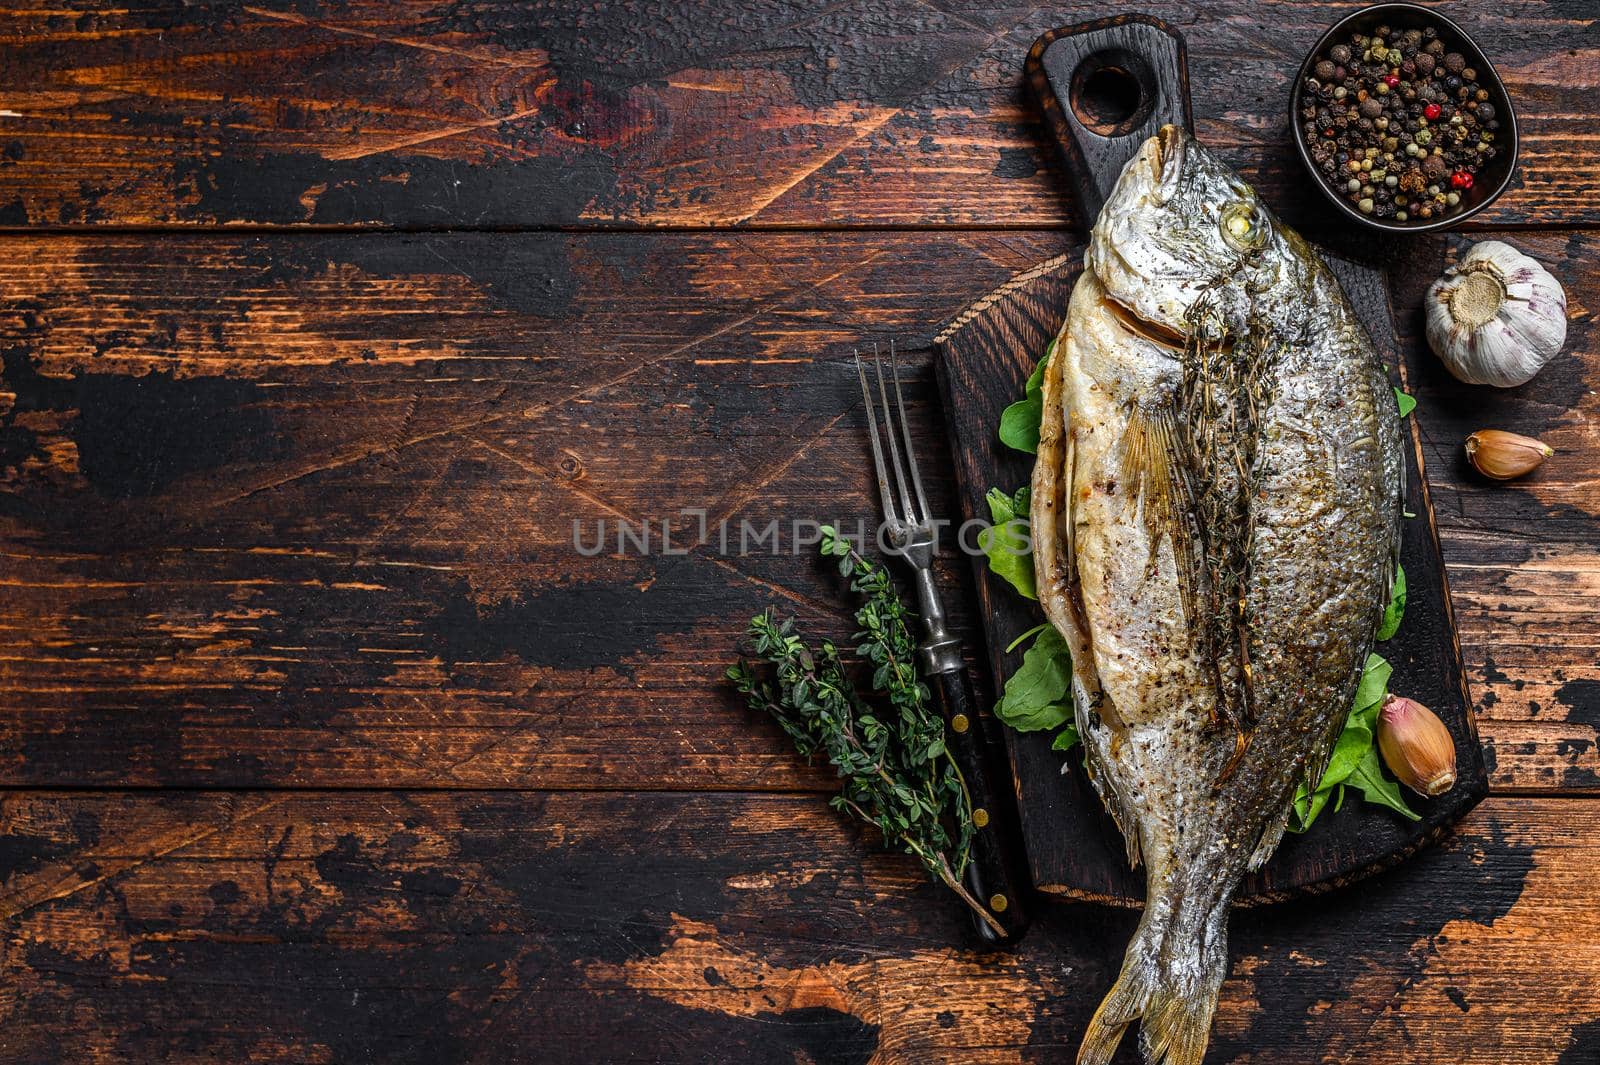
(1178, 224)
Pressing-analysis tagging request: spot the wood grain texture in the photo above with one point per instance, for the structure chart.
(297, 510)
(788, 113)
(447, 927)
(286, 512)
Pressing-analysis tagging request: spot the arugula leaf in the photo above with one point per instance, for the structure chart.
(1007, 543)
(1036, 696)
(1026, 636)
(1307, 807)
(1067, 738)
(1377, 788)
(1369, 692)
(1019, 423)
(1351, 749)
(1397, 606)
(1406, 402)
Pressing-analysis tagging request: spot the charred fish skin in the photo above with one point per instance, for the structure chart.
(1216, 514)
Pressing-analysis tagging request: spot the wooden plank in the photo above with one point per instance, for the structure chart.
(297, 510)
(788, 113)
(430, 927)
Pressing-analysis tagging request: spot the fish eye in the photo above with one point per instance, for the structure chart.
(1243, 227)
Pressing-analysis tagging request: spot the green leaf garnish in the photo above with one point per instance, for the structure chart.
(1396, 608)
(1351, 750)
(1374, 682)
(1007, 543)
(1037, 696)
(1019, 423)
(1377, 788)
(1406, 402)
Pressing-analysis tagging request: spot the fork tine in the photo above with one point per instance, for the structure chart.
(877, 448)
(905, 431)
(901, 480)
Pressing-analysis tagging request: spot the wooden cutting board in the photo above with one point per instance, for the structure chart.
(984, 357)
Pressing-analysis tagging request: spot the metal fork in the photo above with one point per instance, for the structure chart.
(912, 534)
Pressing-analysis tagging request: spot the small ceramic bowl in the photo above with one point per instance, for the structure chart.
(1491, 179)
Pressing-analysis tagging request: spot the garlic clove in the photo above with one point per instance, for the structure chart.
(1416, 746)
(1500, 455)
(1496, 317)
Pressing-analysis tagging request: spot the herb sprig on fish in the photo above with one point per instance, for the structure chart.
(1225, 383)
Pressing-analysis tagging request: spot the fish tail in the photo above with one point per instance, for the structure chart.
(1169, 983)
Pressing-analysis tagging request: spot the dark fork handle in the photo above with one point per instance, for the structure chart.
(990, 875)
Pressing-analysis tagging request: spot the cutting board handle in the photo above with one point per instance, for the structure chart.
(1106, 86)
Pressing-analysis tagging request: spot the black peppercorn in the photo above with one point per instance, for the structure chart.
(1455, 62)
(1435, 47)
(1371, 107)
(1452, 82)
(1325, 70)
(1485, 110)
(1424, 63)
(1339, 53)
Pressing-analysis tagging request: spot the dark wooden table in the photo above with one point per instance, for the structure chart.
(321, 326)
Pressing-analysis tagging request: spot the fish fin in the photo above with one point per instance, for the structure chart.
(1152, 469)
(1271, 836)
(1168, 983)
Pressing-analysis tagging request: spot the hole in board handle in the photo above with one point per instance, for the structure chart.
(1113, 92)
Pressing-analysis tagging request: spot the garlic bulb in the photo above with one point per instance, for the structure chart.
(1496, 317)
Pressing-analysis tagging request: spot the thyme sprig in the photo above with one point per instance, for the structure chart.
(897, 774)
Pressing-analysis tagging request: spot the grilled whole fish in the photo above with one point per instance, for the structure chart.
(1216, 508)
